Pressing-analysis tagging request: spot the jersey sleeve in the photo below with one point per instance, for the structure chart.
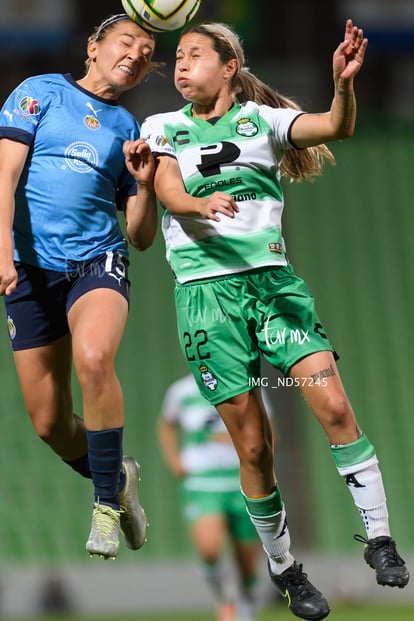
(23, 110)
(122, 195)
(281, 121)
(154, 132)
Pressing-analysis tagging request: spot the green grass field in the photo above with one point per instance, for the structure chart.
(276, 613)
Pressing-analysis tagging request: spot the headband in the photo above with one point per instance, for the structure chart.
(108, 22)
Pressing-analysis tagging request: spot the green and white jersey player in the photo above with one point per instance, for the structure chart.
(219, 162)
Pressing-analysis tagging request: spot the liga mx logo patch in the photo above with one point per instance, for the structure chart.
(29, 105)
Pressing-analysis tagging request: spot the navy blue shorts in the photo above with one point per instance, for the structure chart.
(37, 310)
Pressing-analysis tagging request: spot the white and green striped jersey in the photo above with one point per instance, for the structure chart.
(239, 154)
(205, 444)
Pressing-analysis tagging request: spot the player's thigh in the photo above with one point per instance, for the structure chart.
(97, 306)
(215, 338)
(39, 336)
(45, 377)
(97, 320)
(288, 326)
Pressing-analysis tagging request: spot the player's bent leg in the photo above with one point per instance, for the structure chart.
(252, 437)
(45, 378)
(356, 462)
(97, 320)
(318, 379)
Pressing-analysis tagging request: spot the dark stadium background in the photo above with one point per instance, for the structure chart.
(349, 235)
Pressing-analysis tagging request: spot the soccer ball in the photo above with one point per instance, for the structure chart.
(161, 15)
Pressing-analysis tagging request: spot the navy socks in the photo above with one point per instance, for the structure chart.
(105, 462)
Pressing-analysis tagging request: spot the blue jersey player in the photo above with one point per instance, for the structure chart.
(64, 260)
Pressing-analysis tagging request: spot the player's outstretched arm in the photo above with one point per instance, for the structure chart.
(339, 123)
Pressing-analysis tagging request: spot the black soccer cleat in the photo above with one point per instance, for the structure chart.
(304, 600)
(381, 554)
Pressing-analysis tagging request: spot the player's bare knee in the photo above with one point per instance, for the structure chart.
(256, 454)
(46, 430)
(94, 370)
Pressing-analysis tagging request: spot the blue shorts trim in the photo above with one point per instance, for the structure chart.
(37, 310)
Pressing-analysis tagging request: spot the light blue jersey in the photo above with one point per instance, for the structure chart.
(75, 175)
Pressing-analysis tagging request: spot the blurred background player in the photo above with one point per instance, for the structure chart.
(198, 450)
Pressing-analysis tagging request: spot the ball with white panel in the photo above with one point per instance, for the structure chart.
(161, 15)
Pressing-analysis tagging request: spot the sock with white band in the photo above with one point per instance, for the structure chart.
(357, 463)
(268, 516)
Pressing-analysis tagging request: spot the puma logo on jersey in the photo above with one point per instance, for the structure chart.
(90, 106)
